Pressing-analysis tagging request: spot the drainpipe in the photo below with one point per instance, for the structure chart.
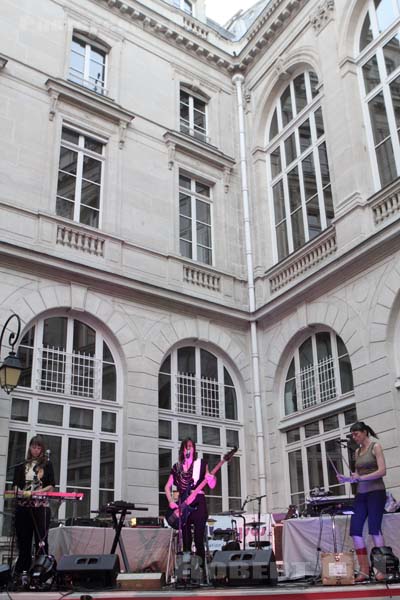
(237, 80)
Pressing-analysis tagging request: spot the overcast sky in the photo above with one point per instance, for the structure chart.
(222, 10)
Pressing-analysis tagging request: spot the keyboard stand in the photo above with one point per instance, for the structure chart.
(117, 525)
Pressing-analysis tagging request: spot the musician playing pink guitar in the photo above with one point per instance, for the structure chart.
(32, 515)
(187, 474)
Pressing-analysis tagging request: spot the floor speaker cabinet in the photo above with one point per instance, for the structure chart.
(91, 571)
(243, 567)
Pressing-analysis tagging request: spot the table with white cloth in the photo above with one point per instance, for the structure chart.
(148, 549)
(302, 538)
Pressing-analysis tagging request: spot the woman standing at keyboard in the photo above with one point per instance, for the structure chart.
(32, 515)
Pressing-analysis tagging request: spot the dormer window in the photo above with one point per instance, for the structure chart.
(193, 115)
(88, 64)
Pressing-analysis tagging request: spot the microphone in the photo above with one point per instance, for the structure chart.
(342, 441)
(47, 453)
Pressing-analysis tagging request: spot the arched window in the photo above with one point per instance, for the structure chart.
(319, 371)
(197, 398)
(318, 374)
(379, 61)
(69, 394)
(298, 172)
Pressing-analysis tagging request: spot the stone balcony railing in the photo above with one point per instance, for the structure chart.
(294, 266)
(386, 203)
(80, 240)
(202, 278)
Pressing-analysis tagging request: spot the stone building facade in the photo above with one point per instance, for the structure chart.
(199, 230)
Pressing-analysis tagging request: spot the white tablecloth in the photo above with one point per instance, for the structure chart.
(302, 538)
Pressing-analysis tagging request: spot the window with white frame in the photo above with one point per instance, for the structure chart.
(319, 371)
(68, 394)
(298, 172)
(80, 177)
(197, 399)
(88, 64)
(184, 5)
(379, 62)
(193, 115)
(314, 454)
(195, 219)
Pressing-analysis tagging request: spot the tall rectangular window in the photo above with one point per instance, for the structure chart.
(195, 239)
(80, 177)
(193, 115)
(88, 65)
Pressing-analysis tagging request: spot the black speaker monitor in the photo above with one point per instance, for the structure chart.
(88, 570)
(244, 567)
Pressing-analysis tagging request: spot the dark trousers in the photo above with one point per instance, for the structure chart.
(371, 505)
(31, 523)
(197, 519)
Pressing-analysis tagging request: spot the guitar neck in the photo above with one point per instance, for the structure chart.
(204, 482)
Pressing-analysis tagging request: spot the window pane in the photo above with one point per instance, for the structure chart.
(19, 409)
(279, 202)
(346, 374)
(203, 212)
(185, 228)
(68, 161)
(319, 122)
(306, 354)
(211, 436)
(203, 235)
(276, 164)
(108, 422)
(53, 443)
(107, 462)
(314, 462)
(209, 365)
(290, 396)
(91, 169)
(350, 416)
(300, 92)
(186, 360)
(90, 194)
(187, 430)
(391, 53)
(84, 339)
(69, 135)
(109, 382)
(230, 403)
(164, 468)
(203, 189)
(366, 33)
(324, 347)
(282, 240)
(294, 189)
(55, 332)
(311, 429)
(328, 201)
(309, 179)
(296, 475)
(314, 83)
(164, 391)
(214, 499)
(286, 105)
(305, 135)
(384, 13)
(50, 414)
(333, 452)
(184, 182)
(293, 435)
(81, 418)
(234, 487)
(298, 229)
(273, 130)
(94, 146)
(331, 423)
(371, 74)
(386, 164)
(164, 429)
(395, 93)
(65, 208)
(313, 218)
(232, 438)
(66, 186)
(377, 111)
(79, 463)
(290, 149)
(185, 249)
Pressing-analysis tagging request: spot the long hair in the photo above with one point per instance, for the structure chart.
(181, 455)
(361, 426)
(37, 440)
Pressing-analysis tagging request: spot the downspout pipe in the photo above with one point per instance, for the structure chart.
(238, 80)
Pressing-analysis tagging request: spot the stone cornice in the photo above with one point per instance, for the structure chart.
(176, 141)
(95, 103)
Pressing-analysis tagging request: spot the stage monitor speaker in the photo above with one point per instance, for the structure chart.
(244, 567)
(91, 571)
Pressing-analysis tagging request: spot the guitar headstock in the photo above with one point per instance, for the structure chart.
(228, 455)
